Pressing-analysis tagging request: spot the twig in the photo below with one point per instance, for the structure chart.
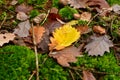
(45, 17)
(36, 54)
(3, 21)
(32, 75)
(71, 75)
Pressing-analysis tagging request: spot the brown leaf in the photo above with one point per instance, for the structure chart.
(66, 55)
(23, 30)
(21, 16)
(116, 8)
(23, 8)
(99, 29)
(96, 4)
(39, 18)
(87, 75)
(98, 45)
(43, 45)
(83, 29)
(5, 38)
(38, 33)
(86, 16)
(54, 10)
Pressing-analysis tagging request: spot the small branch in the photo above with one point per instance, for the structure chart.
(71, 75)
(32, 75)
(3, 21)
(45, 17)
(36, 54)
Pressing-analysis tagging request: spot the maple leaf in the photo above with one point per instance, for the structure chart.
(66, 55)
(87, 75)
(23, 30)
(98, 45)
(63, 37)
(5, 38)
(38, 33)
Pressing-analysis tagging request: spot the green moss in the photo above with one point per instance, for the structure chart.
(67, 13)
(112, 2)
(106, 63)
(55, 3)
(17, 63)
(34, 13)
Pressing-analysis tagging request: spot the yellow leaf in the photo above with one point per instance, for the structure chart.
(63, 37)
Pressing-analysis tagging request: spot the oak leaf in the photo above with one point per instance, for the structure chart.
(98, 45)
(38, 33)
(5, 38)
(66, 55)
(63, 37)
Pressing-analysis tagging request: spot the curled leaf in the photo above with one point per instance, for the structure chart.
(63, 37)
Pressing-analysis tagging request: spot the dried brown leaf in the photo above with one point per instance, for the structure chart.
(87, 75)
(66, 55)
(23, 8)
(99, 29)
(23, 29)
(83, 29)
(98, 45)
(5, 38)
(38, 33)
(116, 8)
(22, 16)
(86, 16)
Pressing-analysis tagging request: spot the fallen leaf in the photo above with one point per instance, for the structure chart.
(76, 16)
(85, 16)
(78, 3)
(116, 8)
(64, 2)
(66, 55)
(99, 29)
(13, 2)
(43, 45)
(96, 4)
(54, 10)
(23, 8)
(87, 75)
(39, 18)
(38, 33)
(98, 45)
(5, 38)
(63, 36)
(23, 30)
(21, 16)
(83, 29)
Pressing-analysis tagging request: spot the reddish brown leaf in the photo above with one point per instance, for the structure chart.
(23, 8)
(5, 38)
(66, 55)
(83, 29)
(38, 33)
(87, 75)
(99, 29)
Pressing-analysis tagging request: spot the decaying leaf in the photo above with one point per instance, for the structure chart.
(23, 30)
(83, 29)
(87, 75)
(54, 10)
(66, 55)
(99, 29)
(23, 8)
(86, 16)
(78, 3)
(21, 16)
(39, 18)
(5, 38)
(63, 37)
(98, 45)
(38, 33)
(13, 2)
(116, 8)
(96, 4)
